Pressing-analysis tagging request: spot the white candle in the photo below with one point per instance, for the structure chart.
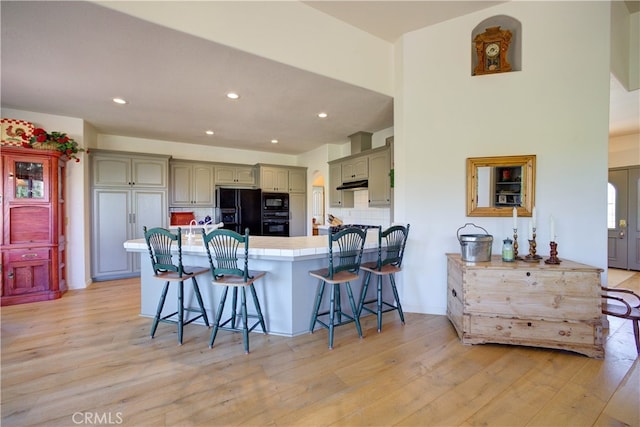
(530, 230)
(515, 218)
(552, 230)
(533, 217)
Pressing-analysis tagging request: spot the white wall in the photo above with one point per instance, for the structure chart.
(555, 108)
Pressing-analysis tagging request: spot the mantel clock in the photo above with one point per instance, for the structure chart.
(492, 47)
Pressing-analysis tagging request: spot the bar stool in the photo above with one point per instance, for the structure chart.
(160, 242)
(388, 263)
(344, 264)
(227, 273)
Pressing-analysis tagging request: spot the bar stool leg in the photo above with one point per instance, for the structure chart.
(363, 292)
(180, 311)
(234, 306)
(379, 303)
(156, 319)
(332, 308)
(395, 294)
(214, 332)
(196, 290)
(245, 319)
(316, 305)
(258, 309)
(356, 319)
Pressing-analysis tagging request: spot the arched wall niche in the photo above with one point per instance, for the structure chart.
(505, 22)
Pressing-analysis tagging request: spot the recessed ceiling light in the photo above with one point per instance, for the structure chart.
(274, 141)
(233, 95)
(209, 132)
(322, 115)
(119, 101)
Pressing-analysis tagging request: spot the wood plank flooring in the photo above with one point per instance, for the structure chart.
(87, 359)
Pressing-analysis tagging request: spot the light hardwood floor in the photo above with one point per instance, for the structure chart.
(87, 359)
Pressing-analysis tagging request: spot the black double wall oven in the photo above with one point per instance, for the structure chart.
(275, 214)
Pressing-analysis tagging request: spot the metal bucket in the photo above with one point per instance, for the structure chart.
(475, 247)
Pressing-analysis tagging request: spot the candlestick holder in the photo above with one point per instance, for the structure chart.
(515, 244)
(553, 254)
(532, 257)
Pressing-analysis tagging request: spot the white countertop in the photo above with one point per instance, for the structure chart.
(268, 246)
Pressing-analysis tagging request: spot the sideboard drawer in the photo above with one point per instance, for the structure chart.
(533, 332)
(20, 255)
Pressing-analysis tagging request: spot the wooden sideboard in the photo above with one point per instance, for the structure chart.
(531, 304)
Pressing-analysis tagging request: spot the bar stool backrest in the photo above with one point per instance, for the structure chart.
(225, 245)
(350, 244)
(160, 242)
(395, 238)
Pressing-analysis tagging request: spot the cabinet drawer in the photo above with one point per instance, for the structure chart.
(521, 293)
(29, 255)
(534, 332)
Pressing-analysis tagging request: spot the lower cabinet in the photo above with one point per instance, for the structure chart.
(29, 271)
(119, 215)
(531, 304)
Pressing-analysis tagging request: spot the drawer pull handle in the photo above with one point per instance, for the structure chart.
(30, 256)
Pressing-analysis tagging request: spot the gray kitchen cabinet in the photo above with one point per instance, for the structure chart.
(192, 184)
(128, 191)
(338, 198)
(274, 179)
(115, 169)
(297, 214)
(298, 180)
(380, 177)
(235, 175)
(355, 169)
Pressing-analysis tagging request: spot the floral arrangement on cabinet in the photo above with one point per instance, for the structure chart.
(56, 141)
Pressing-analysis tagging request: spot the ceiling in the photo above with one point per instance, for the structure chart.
(176, 83)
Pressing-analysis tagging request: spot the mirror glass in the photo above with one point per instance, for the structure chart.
(495, 185)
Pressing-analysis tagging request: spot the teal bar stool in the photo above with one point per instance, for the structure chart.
(345, 256)
(389, 262)
(162, 244)
(227, 272)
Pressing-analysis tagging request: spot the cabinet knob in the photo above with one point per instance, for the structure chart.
(528, 273)
(454, 293)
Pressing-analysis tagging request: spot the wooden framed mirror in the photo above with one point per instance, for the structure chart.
(495, 185)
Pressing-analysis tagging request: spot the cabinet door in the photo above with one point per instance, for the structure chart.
(297, 181)
(338, 198)
(379, 179)
(149, 172)
(149, 208)
(297, 214)
(111, 171)
(26, 271)
(203, 189)
(181, 184)
(26, 179)
(225, 175)
(111, 225)
(245, 176)
(355, 169)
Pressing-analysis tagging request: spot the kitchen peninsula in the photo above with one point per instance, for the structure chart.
(286, 293)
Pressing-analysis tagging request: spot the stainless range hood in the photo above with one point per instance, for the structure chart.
(354, 185)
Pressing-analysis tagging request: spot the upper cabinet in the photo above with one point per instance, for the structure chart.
(281, 179)
(298, 180)
(380, 178)
(355, 169)
(191, 184)
(338, 198)
(274, 179)
(119, 169)
(372, 166)
(235, 175)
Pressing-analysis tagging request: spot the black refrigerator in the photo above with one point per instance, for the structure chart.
(239, 209)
